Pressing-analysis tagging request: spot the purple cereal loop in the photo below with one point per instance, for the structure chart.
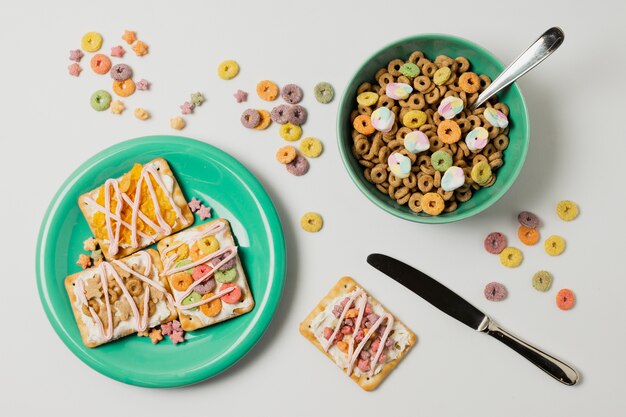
(121, 72)
(205, 287)
(228, 265)
(279, 114)
(298, 166)
(528, 219)
(495, 243)
(291, 93)
(296, 115)
(494, 291)
(250, 118)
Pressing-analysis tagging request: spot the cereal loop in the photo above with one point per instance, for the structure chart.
(414, 119)
(124, 88)
(100, 64)
(228, 70)
(449, 131)
(469, 82)
(91, 42)
(286, 154)
(367, 98)
(511, 257)
(495, 243)
(432, 203)
(363, 124)
(311, 222)
(565, 299)
(311, 147)
(290, 132)
(267, 90)
(567, 210)
(554, 245)
(542, 281)
(266, 119)
(527, 235)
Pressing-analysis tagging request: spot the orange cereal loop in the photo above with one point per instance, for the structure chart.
(432, 203)
(469, 82)
(181, 281)
(194, 252)
(286, 154)
(449, 131)
(565, 299)
(363, 124)
(212, 308)
(266, 119)
(100, 64)
(124, 88)
(267, 90)
(527, 235)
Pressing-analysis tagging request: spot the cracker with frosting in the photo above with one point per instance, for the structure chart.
(131, 212)
(119, 298)
(205, 274)
(357, 333)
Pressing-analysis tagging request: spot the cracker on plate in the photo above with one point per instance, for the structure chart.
(374, 350)
(150, 222)
(205, 274)
(136, 298)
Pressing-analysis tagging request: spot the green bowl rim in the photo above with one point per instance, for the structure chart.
(356, 178)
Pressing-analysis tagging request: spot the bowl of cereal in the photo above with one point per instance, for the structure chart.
(411, 142)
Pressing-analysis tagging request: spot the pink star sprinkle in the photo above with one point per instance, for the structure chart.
(76, 55)
(194, 204)
(166, 328)
(142, 84)
(118, 51)
(177, 337)
(187, 108)
(74, 70)
(204, 212)
(240, 96)
(176, 326)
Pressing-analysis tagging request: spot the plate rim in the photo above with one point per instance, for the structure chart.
(273, 297)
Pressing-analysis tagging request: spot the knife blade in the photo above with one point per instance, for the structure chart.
(455, 306)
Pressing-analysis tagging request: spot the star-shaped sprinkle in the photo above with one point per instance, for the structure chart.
(84, 261)
(194, 204)
(155, 336)
(93, 287)
(166, 328)
(177, 123)
(129, 36)
(204, 212)
(197, 99)
(177, 337)
(140, 48)
(142, 84)
(176, 327)
(90, 244)
(117, 107)
(240, 96)
(145, 333)
(141, 114)
(123, 307)
(76, 55)
(187, 107)
(118, 51)
(74, 69)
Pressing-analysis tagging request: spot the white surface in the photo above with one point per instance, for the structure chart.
(576, 103)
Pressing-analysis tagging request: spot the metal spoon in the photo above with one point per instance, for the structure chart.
(529, 59)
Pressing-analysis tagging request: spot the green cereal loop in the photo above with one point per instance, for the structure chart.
(100, 100)
(226, 276)
(542, 281)
(324, 92)
(183, 263)
(441, 160)
(410, 70)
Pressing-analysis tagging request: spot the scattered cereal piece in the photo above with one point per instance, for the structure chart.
(141, 114)
(74, 69)
(477, 138)
(496, 117)
(279, 114)
(554, 245)
(197, 98)
(290, 132)
(140, 48)
(145, 333)
(441, 160)
(124, 88)
(267, 90)
(286, 154)
(241, 96)
(296, 115)
(511, 257)
(432, 203)
(494, 291)
(176, 327)
(453, 178)
(382, 119)
(100, 100)
(542, 281)
(118, 51)
(250, 118)
(100, 64)
(177, 123)
(450, 107)
(166, 328)
(117, 107)
(399, 165)
(416, 141)
(565, 299)
(567, 210)
(129, 36)
(98, 261)
(266, 120)
(228, 70)
(91, 42)
(187, 107)
(299, 166)
(528, 219)
(121, 72)
(527, 235)
(292, 94)
(194, 204)
(311, 147)
(177, 337)
(84, 261)
(324, 92)
(204, 212)
(143, 84)
(311, 222)
(76, 55)
(495, 243)
(398, 91)
(155, 336)
(90, 244)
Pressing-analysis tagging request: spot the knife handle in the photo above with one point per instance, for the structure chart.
(549, 364)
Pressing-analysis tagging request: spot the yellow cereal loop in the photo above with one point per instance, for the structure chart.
(91, 42)
(511, 257)
(567, 210)
(311, 222)
(311, 147)
(367, 98)
(481, 173)
(208, 245)
(554, 245)
(228, 70)
(266, 120)
(414, 119)
(290, 132)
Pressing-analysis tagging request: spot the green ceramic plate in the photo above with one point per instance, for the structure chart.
(233, 193)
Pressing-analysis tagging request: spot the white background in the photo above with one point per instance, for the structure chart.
(576, 105)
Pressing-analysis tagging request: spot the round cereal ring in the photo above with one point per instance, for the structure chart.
(228, 275)
(494, 291)
(181, 281)
(567, 210)
(134, 286)
(527, 235)
(286, 154)
(100, 64)
(414, 119)
(208, 245)
(441, 160)
(250, 118)
(481, 173)
(296, 115)
(432, 203)
(227, 265)
(290, 132)
(324, 92)
(121, 72)
(367, 98)
(192, 298)
(292, 94)
(565, 299)
(266, 120)
(311, 147)
(511, 257)
(442, 75)
(182, 263)
(228, 70)
(124, 88)
(91, 42)
(311, 222)
(554, 245)
(232, 297)
(363, 124)
(449, 131)
(212, 308)
(542, 281)
(205, 287)
(100, 100)
(279, 114)
(409, 69)
(528, 219)
(495, 243)
(200, 271)
(469, 82)
(298, 166)
(267, 90)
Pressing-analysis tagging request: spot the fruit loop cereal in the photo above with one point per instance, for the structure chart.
(567, 210)
(554, 245)
(267, 90)
(324, 92)
(495, 243)
(494, 291)
(542, 281)
(296, 115)
(292, 94)
(100, 100)
(250, 118)
(511, 257)
(311, 222)
(100, 64)
(527, 235)
(228, 70)
(290, 132)
(311, 147)
(286, 154)
(565, 299)
(121, 72)
(299, 166)
(528, 219)
(279, 114)
(91, 42)
(124, 88)
(266, 119)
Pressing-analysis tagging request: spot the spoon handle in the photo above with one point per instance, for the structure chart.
(529, 59)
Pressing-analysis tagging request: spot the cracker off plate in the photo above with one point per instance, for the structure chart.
(233, 193)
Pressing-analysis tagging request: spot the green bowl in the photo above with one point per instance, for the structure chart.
(482, 62)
